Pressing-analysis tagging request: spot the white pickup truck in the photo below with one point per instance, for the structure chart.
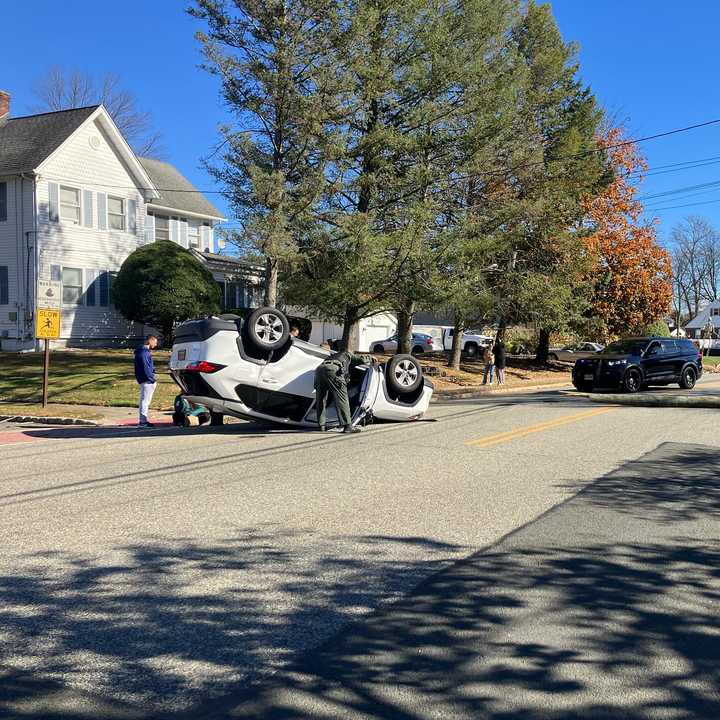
(472, 343)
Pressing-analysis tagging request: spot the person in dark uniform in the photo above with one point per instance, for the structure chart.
(331, 381)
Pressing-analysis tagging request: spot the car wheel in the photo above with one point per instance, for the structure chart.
(378, 349)
(688, 379)
(403, 374)
(217, 418)
(553, 357)
(471, 349)
(268, 329)
(417, 350)
(632, 381)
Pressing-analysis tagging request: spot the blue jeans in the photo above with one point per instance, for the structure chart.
(489, 370)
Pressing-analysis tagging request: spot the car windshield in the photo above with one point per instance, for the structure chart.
(625, 347)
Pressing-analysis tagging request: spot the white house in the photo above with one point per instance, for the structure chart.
(75, 201)
(708, 317)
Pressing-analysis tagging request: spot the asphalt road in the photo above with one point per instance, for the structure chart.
(149, 573)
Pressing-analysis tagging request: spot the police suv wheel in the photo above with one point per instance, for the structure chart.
(403, 374)
(687, 381)
(267, 328)
(633, 380)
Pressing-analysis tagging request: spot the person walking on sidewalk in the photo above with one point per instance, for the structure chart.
(489, 360)
(500, 361)
(145, 376)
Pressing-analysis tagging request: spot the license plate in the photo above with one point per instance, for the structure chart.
(181, 354)
(589, 376)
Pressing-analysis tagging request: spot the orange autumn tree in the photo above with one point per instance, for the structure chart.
(632, 277)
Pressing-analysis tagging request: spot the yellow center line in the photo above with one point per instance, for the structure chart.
(539, 427)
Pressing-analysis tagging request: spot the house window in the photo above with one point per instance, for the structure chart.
(3, 201)
(70, 204)
(193, 234)
(116, 213)
(72, 286)
(4, 285)
(162, 227)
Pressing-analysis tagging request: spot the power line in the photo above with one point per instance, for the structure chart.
(673, 207)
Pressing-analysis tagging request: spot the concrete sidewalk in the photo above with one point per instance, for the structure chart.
(605, 607)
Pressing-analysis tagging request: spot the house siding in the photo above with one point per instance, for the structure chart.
(13, 255)
(88, 162)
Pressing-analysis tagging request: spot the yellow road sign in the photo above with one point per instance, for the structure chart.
(47, 324)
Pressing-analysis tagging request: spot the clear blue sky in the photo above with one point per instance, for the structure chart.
(652, 63)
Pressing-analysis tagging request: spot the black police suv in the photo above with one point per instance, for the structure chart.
(634, 363)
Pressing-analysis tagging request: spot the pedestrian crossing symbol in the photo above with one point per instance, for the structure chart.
(47, 324)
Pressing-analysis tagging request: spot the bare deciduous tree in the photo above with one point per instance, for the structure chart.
(696, 265)
(64, 89)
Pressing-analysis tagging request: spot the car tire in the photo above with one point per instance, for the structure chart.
(471, 350)
(632, 382)
(267, 329)
(688, 378)
(403, 374)
(417, 350)
(553, 357)
(216, 419)
(378, 349)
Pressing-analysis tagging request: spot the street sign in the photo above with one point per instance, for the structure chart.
(49, 294)
(47, 324)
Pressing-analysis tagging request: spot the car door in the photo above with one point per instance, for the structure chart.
(672, 359)
(653, 362)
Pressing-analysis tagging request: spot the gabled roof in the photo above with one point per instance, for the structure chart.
(26, 141)
(701, 319)
(176, 191)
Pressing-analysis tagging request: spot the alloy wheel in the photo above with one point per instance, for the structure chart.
(406, 373)
(268, 328)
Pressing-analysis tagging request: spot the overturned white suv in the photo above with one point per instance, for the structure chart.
(254, 369)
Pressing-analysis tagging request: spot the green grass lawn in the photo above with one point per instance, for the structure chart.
(82, 377)
(711, 360)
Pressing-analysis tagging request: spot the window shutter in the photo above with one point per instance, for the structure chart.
(132, 216)
(183, 232)
(53, 202)
(102, 211)
(104, 290)
(4, 299)
(3, 201)
(149, 228)
(56, 273)
(91, 292)
(87, 208)
(174, 229)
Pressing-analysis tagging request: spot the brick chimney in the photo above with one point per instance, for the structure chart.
(4, 105)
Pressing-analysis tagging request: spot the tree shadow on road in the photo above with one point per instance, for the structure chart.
(564, 619)
(161, 625)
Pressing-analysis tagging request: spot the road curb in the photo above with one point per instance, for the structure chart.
(684, 401)
(476, 394)
(48, 420)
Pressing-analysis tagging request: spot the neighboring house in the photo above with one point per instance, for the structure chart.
(75, 201)
(709, 315)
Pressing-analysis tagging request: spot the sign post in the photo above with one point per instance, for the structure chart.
(47, 324)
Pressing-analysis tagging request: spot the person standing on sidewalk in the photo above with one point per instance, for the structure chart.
(489, 360)
(145, 376)
(500, 361)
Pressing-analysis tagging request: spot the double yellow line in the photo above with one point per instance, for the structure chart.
(540, 427)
